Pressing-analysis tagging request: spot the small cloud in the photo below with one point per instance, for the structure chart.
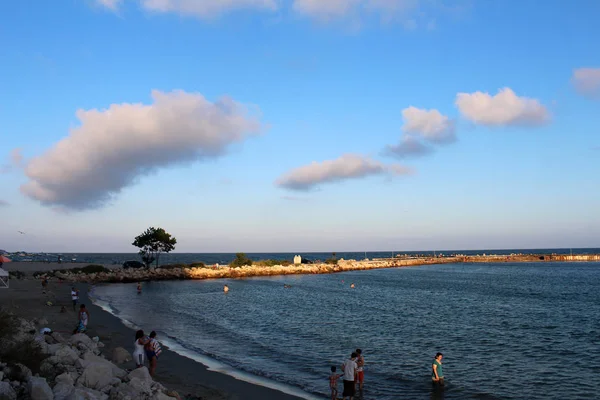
(587, 82)
(505, 108)
(112, 5)
(348, 166)
(4, 203)
(112, 149)
(206, 8)
(431, 125)
(408, 147)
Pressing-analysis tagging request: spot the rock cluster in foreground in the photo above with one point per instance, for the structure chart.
(75, 369)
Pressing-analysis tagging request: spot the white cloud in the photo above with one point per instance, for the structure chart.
(431, 125)
(206, 8)
(112, 5)
(113, 148)
(325, 9)
(587, 81)
(388, 10)
(505, 108)
(348, 166)
(409, 146)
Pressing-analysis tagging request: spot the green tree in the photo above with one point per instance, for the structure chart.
(152, 243)
(240, 260)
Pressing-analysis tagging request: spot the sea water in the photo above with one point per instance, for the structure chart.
(507, 331)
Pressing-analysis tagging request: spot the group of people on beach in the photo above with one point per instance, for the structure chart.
(353, 375)
(83, 315)
(146, 348)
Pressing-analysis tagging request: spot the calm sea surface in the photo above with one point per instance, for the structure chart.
(522, 331)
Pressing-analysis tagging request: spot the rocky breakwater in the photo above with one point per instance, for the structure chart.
(53, 367)
(187, 272)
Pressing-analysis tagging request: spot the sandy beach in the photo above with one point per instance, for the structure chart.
(26, 299)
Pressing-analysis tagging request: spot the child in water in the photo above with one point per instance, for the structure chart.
(333, 378)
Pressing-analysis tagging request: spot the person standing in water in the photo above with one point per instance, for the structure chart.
(139, 288)
(349, 368)
(360, 373)
(437, 373)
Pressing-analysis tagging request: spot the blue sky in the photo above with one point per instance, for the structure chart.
(307, 151)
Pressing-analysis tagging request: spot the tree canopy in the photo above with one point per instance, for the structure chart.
(152, 242)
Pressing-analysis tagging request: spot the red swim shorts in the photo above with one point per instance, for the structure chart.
(361, 376)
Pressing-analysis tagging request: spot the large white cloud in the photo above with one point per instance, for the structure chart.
(206, 8)
(505, 108)
(114, 147)
(587, 81)
(431, 125)
(348, 166)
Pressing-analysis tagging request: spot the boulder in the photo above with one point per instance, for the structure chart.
(120, 355)
(92, 358)
(65, 378)
(62, 390)
(39, 389)
(7, 392)
(66, 355)
(49, 339)
(82, 338)
(58, 337)
(19, 372)
(96, 376)
(141, 373)
(124, 392)
(80, 393)
(161, 396)
(1, 375)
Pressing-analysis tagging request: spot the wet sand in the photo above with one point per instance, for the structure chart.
(25, 298)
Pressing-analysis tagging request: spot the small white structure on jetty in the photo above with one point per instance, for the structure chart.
(297, 260)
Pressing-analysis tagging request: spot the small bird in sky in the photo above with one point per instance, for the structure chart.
(22, 233)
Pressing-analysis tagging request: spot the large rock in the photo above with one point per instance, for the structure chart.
(58, 337)
(39, 389)
(66, 355)
(124, 392)
(19, 372)
(7, 392)
(140, 373)
(96, 376)
(80, 393)
(65, 378)
(161, 396)
(120, 355)
(62, 390)
(92, 358)
(84, 339)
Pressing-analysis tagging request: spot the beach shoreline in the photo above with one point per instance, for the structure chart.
(188, 377)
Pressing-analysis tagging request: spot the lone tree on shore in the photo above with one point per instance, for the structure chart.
(153, 242)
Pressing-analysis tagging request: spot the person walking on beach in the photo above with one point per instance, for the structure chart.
(333, 378)
(360, 373)
(141, 340)
(74, 296)
(437, 373)
(153, 350)
(349, 368)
